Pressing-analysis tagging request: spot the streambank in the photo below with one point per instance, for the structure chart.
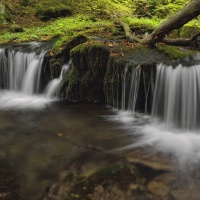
(99, 67)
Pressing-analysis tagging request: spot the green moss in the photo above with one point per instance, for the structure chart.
(68, 45)
(174, 52)
(113, 81)
(63, 55)
(86, 80)
(7, 16)
(186, 32)
(69, 85)
(53, 12)
(2, 19)
(111, 170)
(55, 68)
(62, 27)
(155, 8)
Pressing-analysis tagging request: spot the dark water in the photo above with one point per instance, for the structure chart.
(38, 145)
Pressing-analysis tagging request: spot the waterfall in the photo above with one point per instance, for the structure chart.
(177, 96)
(172, 128)
(133, 93)
(52, 88)
(137, 89)
(20, 75)
(130, 86)
(20, 71)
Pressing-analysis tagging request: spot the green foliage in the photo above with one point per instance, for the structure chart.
(58, 10)
(2, 19)
(62, 55)
(142, 25)
(89, 18)
(113, 169)
(25, 2)
(61, 28)
(157, 8)
(105, 8)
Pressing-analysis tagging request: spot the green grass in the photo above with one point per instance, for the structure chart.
(90, 18)
(142, 23)
(63, 27)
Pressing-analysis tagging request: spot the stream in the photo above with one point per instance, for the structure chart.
(44, 138)
(37, 145)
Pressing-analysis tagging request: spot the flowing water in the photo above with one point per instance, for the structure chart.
(173, 127)
(41, 136)
(37, 146)
(20, 76)
(52, 89)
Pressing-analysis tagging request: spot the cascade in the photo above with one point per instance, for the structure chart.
(172, 127)
(53, 86)
(177, 96)
(130, 86)
(20, 76)
(134, 86)
(20, 71)
(136, 90)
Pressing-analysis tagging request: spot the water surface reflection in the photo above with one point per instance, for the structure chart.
(37, 146)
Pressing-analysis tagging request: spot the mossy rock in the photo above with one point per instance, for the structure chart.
(17, 29)
(185, 32)
(48, 13)
(63, 56)
(113, 81)
(178, 55)
(85, 80)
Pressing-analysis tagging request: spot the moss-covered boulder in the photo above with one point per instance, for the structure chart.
(63, 56)
(86, 79)
(47, 13)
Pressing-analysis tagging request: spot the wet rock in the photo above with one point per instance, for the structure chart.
(159, 189)
(153, 162)
(86, 79)
(63, 56)
(161, 185)
(8, 180)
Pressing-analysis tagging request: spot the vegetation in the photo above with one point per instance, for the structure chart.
(27, 20)
(87, 76)
(47, 10)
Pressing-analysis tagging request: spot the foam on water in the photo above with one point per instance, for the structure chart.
(173, 128)
(21, 81)
(16, 100)
(181, 146)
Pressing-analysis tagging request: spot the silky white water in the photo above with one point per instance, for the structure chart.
(173, 127)
(177, 96)
(20, 77)
(52, 89)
